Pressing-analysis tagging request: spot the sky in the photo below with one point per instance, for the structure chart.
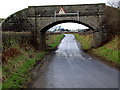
(70, 26)
(8, 7)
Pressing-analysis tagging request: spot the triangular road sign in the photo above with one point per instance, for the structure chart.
(62, 11)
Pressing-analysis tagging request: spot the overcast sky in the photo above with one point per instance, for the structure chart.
(8, 7)
(70, 26)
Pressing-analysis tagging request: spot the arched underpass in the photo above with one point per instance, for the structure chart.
(44, 30)
(68, 68)
(38, 19)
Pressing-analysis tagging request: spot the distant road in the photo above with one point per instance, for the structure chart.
(69, 68)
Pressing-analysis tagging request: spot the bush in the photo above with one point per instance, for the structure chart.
(111, 20)
(14, 38)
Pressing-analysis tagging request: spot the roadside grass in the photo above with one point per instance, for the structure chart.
(0, 76)
(109, 51)
(54, 40)
(85, 40)
(16, 72)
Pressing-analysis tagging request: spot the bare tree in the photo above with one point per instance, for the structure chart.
(114, 3)
(119, 4)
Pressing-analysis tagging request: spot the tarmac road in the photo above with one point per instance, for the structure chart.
(70, 67)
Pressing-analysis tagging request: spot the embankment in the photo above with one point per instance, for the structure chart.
(108, 53)
(19, 57)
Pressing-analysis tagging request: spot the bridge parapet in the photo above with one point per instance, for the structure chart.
(48, 11)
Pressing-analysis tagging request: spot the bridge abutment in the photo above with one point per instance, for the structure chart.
(40, 41)
(100, 37)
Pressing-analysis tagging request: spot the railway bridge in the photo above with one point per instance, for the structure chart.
(38, 19)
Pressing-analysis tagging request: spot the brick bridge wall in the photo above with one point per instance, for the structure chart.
(38, 19)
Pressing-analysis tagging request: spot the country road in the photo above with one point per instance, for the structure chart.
(70, 67)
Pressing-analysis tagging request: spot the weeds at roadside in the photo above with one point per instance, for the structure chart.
(109, 51)
(17, 69)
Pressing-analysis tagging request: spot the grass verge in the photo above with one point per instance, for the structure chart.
(85, 40)
(17, 70)
(109, 51)
(54, 40)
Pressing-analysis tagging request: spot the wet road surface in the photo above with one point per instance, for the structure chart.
(69, 68)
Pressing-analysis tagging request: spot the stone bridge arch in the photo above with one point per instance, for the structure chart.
(44, 29)
(41, 35)
(38, 19)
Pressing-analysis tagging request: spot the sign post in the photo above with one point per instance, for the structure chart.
(62, 12)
